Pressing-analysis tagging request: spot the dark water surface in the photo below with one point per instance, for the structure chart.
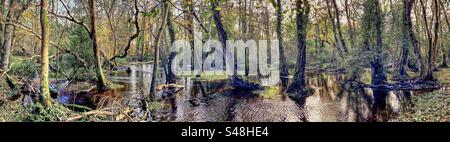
(329, 103)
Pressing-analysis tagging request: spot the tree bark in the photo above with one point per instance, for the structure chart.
(335, 33)
(165, 9)
(338, 25)
(408, 6)
(302, 12)
(284, 73)
(171, 78)
(8, 36)
(45, 90)
(235, 81)
(102, 84)
(350, 25)
(444, 56)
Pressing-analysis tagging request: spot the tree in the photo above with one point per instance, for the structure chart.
(302, 12)
(409, 36)
(45, 90)
(165, 9)
(372, 35)
(444, 55)
(338, 25)
(235, 81)
(171, 78)
(8, 36)
(284, 73)
(102, 84)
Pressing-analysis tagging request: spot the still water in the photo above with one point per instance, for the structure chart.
(217, 102)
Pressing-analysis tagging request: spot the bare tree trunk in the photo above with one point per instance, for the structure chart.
(8, 36)
(45, 90)
(171, 78)
(302, 12)
(102, 84)
(165, 9)
(335, 34)
(437, 19)
(444, 56)
(284, 73)
(429, 70)
(235, 81)
(408, 6)
(338, 25)
(351, 31)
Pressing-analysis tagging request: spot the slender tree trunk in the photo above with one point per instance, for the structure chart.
(284, 73)
(405, 50)
(45, 91)
(350, 25)
(444, 56)
(408, 4)
(171, 78)
(338, 25)
(335, 33)
(302, 12)
(8, 36)
(165, 9)
(222, 34)
(437, 19)
(429, 70)
(235, 81)
(101, 79)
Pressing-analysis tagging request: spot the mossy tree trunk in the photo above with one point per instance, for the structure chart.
(102, 84)
(45, 90)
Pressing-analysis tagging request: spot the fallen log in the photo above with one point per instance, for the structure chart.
(405, 86)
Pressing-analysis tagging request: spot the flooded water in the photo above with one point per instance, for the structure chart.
(212, 101)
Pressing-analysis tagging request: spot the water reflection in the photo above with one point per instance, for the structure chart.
(214, 100)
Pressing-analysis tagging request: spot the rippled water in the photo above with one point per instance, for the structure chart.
(329, 103)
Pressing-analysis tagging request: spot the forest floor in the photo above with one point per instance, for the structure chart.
(430, 107)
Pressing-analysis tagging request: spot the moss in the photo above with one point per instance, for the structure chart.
(16, 112)
(269, 93)
(153, 106)
(443, 75)
(430, 107)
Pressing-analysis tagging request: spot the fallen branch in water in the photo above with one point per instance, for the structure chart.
(408, 86)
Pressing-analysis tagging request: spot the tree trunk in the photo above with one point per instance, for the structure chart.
(302, 12)
(408, 4)
(335, 34)
(8, 36)
(429, 70)
(235, 81)
(445, 55)
(165, 9)
(338, 25)
(171, 78)
(284, 73)
(406, 38)
(45, 90)
(350, 25)
(102, 84)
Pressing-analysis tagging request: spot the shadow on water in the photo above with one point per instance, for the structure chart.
(212, 101)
